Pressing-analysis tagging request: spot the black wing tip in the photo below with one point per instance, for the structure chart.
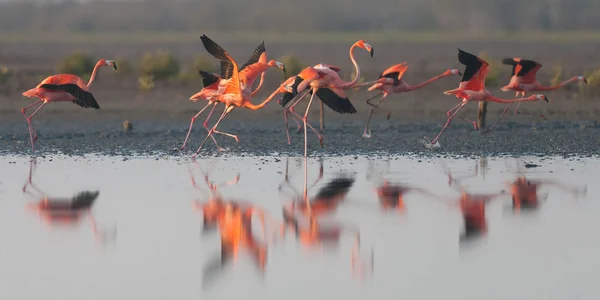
(509, 61)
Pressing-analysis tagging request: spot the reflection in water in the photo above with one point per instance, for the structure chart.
(234, 222)
(303, 215)
(64, 211)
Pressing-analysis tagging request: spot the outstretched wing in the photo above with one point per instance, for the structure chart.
(336, 99)
(395, 72)
(233, 86)
(227, 67)
(82, 98)
(208, 78)
(475, 71)
(335, 189)
(511, 62)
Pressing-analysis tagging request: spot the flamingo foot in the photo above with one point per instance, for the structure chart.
(321, 141)
(388, 116)
(429, 145)
(367, 134)
(221, 149)
(544, 117)
(299, 129)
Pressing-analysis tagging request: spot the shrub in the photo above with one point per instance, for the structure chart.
(124, 67)
(160, 65)
(5, 74)
(190, 74)
(146, 83)
(78, 63)
(593, 85)
(293, 65)
(557, 75)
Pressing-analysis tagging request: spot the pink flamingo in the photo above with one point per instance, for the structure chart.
(396, 72)
(472, 89)
(236, 93)
(523, 79)
(329, 87)
(63, 87)
(214, 85)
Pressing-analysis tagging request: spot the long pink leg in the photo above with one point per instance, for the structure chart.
(192, 124)
(291, 109)
(24, 109)
(367, 131)
(499, 118)
(525, 113)
(449, 120)
(305, 124)
(293, 105)
(470, 121)
(31, 130)
(287, 128)
(227, 110)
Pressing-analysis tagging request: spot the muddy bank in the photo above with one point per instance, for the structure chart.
(268, 137)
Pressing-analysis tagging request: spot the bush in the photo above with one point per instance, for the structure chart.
(78, 63)
(593, 85)
(4, 75)
(146, 83)
(492, 78)
(160, 65)
(293, 66)
(123, 66)
(557, 75)
(190, 74)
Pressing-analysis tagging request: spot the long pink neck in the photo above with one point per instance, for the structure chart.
(500, 100)
(356, 69)
(422, 84)
(251, 106)
(554, 87)
(93, 76)
(260, 83)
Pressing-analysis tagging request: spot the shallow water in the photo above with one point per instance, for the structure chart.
(149, 242)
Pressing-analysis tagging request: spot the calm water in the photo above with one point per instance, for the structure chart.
(149, 241)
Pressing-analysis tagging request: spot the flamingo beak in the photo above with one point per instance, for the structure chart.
(585, 80)
(545, 98)
(114, 65)
(280, 65)
(372, 51)
(459, 73)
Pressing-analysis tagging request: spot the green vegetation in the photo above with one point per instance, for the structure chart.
(593, 86)
(557, 75)
(124, 67)
(5, 74)
(160, 64)
(77, 63)
(492, 78)
(146, 83)
(293, 65)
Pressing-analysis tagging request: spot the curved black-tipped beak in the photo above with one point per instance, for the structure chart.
(460, 73)
(545, 98)
(372, 52)
(114, 65)
(283, 70)
(585, 80)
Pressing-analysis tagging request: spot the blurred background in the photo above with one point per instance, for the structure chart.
(157, 48)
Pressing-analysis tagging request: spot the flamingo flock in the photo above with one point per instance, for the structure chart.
(233, 88)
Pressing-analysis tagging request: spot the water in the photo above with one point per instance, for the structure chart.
(149, 242)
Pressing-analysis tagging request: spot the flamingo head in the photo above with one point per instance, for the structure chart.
(366, 46)
(278, 64)
(452, 72)
(107, 62)
(541, 97)
(580, 78)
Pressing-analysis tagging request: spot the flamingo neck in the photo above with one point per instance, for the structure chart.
(422, 84)
(251, 106)
(93, 76)
(500, 100)
(554, 87)
(356, 68)
(260, 83)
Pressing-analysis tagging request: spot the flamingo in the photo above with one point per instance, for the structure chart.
(329, 87)
(63, 87)
(235, 93)
(396, 72)
(472, 88)
(523, 79)
(214, 85)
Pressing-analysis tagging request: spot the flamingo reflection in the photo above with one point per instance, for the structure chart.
(63, 211)
(525, 196)
(303, 215)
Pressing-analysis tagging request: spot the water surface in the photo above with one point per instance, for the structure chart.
(149, 242)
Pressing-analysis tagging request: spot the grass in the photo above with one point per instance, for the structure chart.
(298, 37)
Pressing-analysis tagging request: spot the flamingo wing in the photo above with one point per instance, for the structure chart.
(336, 99)
(64, 79)
(395, 72)
(209, 78)
(475, 71)
(84, 200)
(300, 83)
(83, 98)
(328, 66)
(227, 67)
(527, 70)
(233, 86)
(511, 62)
(335, 189)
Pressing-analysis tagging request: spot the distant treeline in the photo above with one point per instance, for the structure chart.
(300, 16)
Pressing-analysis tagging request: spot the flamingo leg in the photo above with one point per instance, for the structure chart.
(499, 118)
(192, 124)
(291, 110)
(293, 105)
(449, 120)
(305, 125)
(287, 128)
(367, 131)
(470, 121)
(525, 113)
(32, 133)
(227, 110)
(24, 109)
